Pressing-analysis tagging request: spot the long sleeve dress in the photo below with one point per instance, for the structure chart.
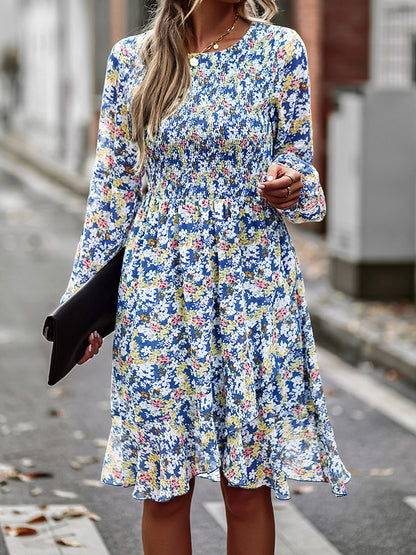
(214, 361)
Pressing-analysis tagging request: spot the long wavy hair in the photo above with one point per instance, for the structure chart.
(165, 56)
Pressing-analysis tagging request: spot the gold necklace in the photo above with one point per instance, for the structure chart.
(193, 60)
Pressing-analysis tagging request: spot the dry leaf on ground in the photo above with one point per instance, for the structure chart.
(71, 512)
(27, 463)
(93, 483)
(392, 375)
(19, 531)
(57, 392)
(36, 474)
(21, 427)
(303, 489)
(68, 543)
(55, 412)
(330, 391)
(383, 472)
(65, 494)
(81, 461)
(37, 519)
(7, 472)
(100, 442)
(36, 491)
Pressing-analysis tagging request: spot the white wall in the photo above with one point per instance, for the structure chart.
(8, 38)
(345, 168)
(55, 39)
(372, 168)
(79, 80)
(39, 115)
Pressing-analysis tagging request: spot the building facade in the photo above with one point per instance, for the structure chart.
(53, 56)
(371, 150)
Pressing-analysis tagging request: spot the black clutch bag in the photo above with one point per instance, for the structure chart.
(92, 307)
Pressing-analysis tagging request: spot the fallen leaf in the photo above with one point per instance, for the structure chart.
(14, 474)
(330, 392)
(303, 489)
(93, 483)
(24, 427)
(358, 415)
(7, 472)
(68, 543)
(88, 459)
(336, 410)
(55, 412)
(74, 513)
(381, 471)
(353, 326)
(372, 472)
(104, 405)
(24, 477)
(27, 463)
(57, 392)
(81, 461)
(392, 375)
(36, 491)
(69, 513)
(65, 494)
(35, 474)
(43, 506)
(100, 442)
(93, 516)
(19, 531)
(37, 519)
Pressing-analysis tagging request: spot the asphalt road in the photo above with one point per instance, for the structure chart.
(40, 225)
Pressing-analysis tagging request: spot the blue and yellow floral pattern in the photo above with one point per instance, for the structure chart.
(214, 362)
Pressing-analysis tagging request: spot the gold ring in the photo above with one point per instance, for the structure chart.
(291, 177)
(289, 192)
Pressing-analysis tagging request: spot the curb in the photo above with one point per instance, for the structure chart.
(19, 149)
(354, 349)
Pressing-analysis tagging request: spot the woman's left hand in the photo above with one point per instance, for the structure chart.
(282, 188)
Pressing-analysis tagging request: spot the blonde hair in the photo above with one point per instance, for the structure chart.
(165, 56)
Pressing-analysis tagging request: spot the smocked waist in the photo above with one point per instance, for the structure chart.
(200, 187)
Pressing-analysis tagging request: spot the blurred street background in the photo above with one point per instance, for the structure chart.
(358, 265)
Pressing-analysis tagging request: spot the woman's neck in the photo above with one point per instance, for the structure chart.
(210, 20)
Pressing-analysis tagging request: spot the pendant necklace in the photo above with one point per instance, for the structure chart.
(193, 60)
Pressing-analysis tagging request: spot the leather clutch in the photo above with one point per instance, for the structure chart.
(92, 307)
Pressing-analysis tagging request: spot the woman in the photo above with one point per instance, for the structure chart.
(214, 366)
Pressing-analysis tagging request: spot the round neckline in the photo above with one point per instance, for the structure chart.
(232, 47)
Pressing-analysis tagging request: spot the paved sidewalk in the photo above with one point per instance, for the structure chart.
(376, 333)
(382, 334)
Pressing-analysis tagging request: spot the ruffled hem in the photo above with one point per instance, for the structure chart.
(250, 458)
(281, 493)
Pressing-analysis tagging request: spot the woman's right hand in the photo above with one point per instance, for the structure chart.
(95, 341)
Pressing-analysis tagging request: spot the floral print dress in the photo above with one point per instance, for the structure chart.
(214, 362)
